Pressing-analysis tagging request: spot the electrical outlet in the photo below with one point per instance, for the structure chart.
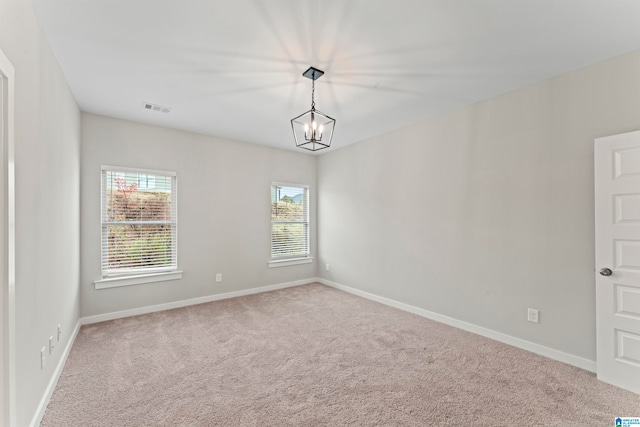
(532, 315)
(43, 357)
(59, 331)
(326, 267)
(51, 344)
(219, 277)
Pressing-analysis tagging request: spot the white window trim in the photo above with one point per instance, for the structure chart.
(138, 279)
(290, 261)
(113, 280)
(295, 259)
(136, 170)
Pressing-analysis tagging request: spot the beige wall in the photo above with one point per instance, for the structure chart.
(223, 210)
(47, 168)
(483, 212)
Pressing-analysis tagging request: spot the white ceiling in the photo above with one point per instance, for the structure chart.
(232, 68)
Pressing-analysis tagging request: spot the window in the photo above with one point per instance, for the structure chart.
(289, 221)
(139, 227)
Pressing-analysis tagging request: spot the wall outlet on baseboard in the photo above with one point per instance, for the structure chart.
(532, 315)
(326, 267)
(219, 277)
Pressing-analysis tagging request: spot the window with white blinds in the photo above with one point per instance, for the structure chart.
(139, 221)
(289, 221)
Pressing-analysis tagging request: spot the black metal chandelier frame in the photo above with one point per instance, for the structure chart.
(310, 127)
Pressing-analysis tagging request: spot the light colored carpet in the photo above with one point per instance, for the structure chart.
(312, 355)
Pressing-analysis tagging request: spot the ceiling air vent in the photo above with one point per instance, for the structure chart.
(155, 107)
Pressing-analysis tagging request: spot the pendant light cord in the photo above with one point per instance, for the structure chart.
(313, 91)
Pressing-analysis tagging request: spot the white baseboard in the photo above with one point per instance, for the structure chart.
(551, 353)
(44, 402)
(184, 303)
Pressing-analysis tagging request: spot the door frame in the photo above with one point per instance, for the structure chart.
(7, 251)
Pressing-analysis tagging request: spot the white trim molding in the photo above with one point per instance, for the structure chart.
(114, 282)
(44, 402)
(136, 170)
(551, 353)
(7, 236)
(290, 261)
(184, 303)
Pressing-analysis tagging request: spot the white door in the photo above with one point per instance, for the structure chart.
(617, 214)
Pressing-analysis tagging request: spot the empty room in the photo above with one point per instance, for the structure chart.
(320, 213)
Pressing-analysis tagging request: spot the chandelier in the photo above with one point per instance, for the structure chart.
(313, 130)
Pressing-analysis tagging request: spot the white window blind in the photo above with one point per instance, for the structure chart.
(139, 221)
(289, 221)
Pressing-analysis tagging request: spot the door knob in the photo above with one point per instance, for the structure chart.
(606, 271)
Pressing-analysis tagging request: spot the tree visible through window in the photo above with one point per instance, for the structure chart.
(139, 227)
(289, 221)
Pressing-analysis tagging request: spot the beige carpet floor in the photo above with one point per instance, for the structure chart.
(315, 356)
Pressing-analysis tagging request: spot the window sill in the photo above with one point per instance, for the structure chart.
(114, 282)
(290, 261)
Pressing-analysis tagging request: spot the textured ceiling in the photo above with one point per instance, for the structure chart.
(232, 68)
